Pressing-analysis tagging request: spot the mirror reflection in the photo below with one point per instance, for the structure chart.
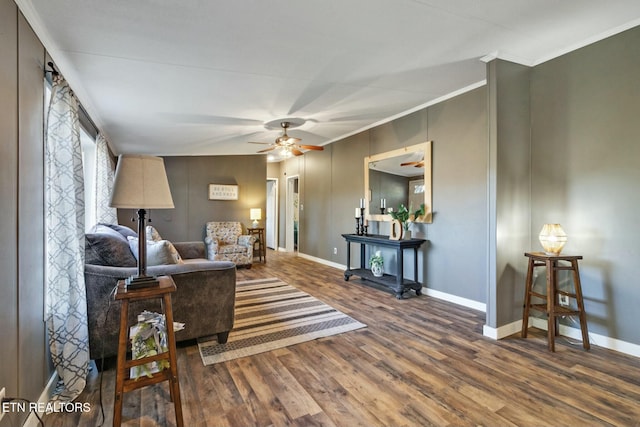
(398, 177)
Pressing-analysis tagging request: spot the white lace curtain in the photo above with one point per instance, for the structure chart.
(105, 173)
(65, 297)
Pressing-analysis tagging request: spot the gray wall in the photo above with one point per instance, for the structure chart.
(332, 183)
(586, 169)
(189, 179)
(24, 370)
(509, 189)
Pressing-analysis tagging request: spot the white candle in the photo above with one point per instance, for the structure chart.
(383, 203)
(357, 212)
(362, 203)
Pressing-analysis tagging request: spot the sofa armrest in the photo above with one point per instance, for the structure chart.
(212, 247)
(246, 240)
(191, 250)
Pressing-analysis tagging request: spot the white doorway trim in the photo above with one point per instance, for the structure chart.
(271, 232)
(290, 213)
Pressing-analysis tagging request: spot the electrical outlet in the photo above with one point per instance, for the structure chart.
(335, 251)
(2, 395)
(564, 300)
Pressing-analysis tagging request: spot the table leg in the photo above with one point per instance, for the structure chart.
(174, 384)
(551, 318)
(528, 287)
(120, 367)
(580, 303)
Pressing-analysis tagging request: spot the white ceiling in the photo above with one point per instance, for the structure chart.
(198, 77)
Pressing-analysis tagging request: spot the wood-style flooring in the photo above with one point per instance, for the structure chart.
(420, 362)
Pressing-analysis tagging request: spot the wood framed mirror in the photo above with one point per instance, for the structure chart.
(399, 176)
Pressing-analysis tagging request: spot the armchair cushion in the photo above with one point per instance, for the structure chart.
(225, 242)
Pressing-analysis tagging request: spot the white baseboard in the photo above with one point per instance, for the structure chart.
(565, 331)
(502, 331)
(594, 339)
(469, 303)
(44, 398)
(323, 261)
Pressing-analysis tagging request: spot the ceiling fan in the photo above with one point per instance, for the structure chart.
(288, 143)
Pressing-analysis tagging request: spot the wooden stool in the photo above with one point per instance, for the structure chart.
(552, 308)
(123, 381)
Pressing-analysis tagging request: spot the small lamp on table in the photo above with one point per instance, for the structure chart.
(255, 214)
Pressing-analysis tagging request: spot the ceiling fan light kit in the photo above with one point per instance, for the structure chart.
(288, 144)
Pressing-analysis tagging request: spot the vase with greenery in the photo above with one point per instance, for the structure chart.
(376, 263)
(406, 216)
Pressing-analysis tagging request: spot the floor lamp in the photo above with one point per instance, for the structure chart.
(141, 183)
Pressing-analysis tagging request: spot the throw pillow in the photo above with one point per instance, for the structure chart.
(152, 234)
(158, 253)
(123, 230)
(109, 250)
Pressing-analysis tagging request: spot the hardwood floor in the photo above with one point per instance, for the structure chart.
(420, 362)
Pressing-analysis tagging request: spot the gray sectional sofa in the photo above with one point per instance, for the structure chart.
(204, 300)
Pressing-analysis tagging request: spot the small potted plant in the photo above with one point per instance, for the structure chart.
(406, 217)
(376, 262)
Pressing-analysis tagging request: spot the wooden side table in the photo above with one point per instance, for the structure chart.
(552, 307)
(123, 381)
(262, 249)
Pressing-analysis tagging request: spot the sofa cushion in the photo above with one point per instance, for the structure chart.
(232, 249)
(108, 249)
(123, 230)
(161, 252)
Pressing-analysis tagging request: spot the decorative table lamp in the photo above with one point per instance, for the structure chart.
(141, 183)
(255, 214)
(552, 238)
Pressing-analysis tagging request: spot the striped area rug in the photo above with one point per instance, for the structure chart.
(270, 314)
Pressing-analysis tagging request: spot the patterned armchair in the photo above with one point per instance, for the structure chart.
(225, 242)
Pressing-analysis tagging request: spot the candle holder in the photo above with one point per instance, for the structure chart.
(361, 228)
(383, 210)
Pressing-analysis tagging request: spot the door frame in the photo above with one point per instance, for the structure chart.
(273, 218)
(290, 214)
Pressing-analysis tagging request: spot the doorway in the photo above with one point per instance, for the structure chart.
(292, 214)
(271, 232)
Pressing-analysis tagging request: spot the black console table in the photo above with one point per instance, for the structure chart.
(397, 283)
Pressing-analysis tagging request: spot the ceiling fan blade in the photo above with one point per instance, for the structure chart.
(267, 149)
(420, 165)
(409, 163)
(311, 147)
(296, 152)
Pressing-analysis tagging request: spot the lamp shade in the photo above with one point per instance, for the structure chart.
(552, 238)
(255, 214)
(141, 183)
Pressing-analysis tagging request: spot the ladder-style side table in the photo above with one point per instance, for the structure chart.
(261, 249)
(552, 307)
(123, 381)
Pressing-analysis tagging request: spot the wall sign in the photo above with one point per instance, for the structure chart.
(223, 192)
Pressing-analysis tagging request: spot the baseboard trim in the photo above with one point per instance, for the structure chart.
(594, 339)
(503, 331)
(427, 291)
(45, 397)
(323, 261)
(465, 302)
